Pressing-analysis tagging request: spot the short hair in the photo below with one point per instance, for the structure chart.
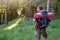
(40, 7)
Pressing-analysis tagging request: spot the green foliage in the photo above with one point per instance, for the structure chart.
(53, 25)
(24, 30)
(12, 9)
(25, 12)
(1, 8)
(23, 5)
(55, 6)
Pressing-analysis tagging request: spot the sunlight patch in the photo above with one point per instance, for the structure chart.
(13, 25)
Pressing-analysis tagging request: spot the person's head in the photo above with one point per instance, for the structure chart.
(39, 8)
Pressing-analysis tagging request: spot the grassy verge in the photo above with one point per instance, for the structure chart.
(21, 29)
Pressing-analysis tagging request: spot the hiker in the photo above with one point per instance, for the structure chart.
(42, 19)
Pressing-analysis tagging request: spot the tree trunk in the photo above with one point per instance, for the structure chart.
(5, 4)
(30, 9)
(6, 20)
(48, 5)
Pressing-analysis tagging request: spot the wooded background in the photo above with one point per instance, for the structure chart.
(11, 9)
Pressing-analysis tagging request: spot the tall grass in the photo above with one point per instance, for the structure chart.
(24, 30)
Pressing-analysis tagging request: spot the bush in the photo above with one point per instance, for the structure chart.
(55, 23)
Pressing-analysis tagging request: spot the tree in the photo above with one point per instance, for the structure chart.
(5, 5)
(30, 8)
(48, 5)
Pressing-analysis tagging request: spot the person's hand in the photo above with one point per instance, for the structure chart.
(34, 20)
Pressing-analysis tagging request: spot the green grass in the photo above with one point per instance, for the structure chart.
(21, 29)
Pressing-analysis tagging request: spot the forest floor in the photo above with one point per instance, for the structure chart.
(22, 29)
